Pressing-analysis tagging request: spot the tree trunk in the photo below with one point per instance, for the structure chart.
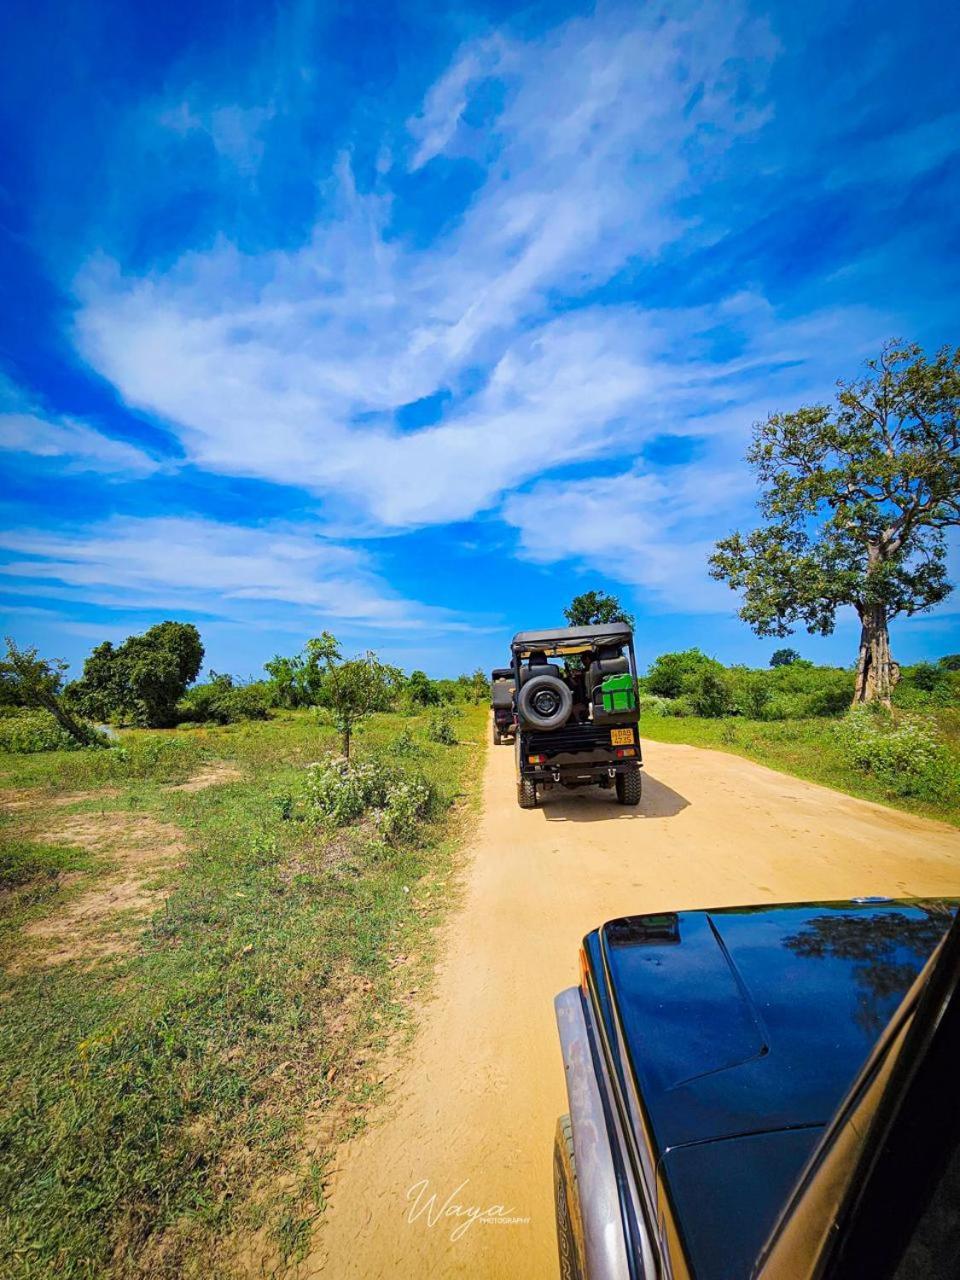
(877, 673)
(77, 730)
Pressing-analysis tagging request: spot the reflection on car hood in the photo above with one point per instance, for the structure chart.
(751, 1021)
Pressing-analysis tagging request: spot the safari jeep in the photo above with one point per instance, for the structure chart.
(576, 706)
(501, 700)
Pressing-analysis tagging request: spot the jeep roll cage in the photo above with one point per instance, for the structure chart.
(567, 641)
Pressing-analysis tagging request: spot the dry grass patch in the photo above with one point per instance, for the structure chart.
(212, 775)
(139, 850)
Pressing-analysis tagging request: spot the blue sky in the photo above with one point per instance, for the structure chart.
(411, 321)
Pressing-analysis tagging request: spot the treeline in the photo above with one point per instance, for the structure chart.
(690, 683)
(151, 681)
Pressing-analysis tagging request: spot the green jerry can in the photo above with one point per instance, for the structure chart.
(618, 694)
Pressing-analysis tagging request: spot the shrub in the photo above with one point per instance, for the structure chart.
(650, 704)
(407, 802)
(340, 791)
(442, 726)
(405, 744)
(926, 685)
(27, 731)
(754, 695)
(421, 691)
(903, 755)
(711, 694)
(675, 673)
(223, 701)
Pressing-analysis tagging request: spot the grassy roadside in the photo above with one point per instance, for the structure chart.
(807, 749)
(168, 1101)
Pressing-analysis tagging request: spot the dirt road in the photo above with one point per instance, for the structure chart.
(471, 1117)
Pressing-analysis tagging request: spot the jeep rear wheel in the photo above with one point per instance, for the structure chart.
(527, 793)
(629, 787)
(496, 736)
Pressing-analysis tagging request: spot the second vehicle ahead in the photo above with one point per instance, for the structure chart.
(502, 689)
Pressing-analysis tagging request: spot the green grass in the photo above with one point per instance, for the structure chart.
(808, 749)
(154, 1106)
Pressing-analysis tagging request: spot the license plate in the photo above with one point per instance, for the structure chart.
(621, 737)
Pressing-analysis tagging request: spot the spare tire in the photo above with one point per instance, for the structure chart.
(545, 702)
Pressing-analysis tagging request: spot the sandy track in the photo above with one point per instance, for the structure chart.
(474, 1108)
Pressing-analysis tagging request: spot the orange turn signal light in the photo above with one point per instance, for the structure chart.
(584, 972)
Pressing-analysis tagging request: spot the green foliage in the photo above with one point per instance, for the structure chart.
(711, 694)
(593, 608)
(289, 681)
(673, 674)
(152, 1101)
(341, 791)
(479, 686)
(222, 700)
(297, 681)
(856, 499)
(442, 726)
(928, 684)
(784, 657)
(143, 679)
(904, 755)
(813, 748)
(421, 691)
(354, 689)
(691, 683)
(405, 743)
(32, 681)
(651, 704)
(754, 695)
(36, 730)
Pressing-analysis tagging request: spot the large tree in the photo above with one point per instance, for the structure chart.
(144, 678)
(594, 608)
(856, 497)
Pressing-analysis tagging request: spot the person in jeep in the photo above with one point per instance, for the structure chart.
(576, 710)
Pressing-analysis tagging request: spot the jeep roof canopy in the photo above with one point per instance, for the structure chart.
(570, 639)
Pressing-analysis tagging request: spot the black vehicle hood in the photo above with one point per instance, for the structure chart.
(750, 1021)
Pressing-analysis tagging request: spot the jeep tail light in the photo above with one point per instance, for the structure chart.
(535, 759)
(584, 972)
(625, 751)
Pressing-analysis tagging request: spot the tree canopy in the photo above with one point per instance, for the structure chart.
(355, 688)
(142, 679)
(675, 673)
(856, 498)
(784, 657)
(593, 608)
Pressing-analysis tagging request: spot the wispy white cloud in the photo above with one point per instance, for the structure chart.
(236, 132)
(289, 365)
(435, 126)
(651, 532)
(77, 446)
(204, 565)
